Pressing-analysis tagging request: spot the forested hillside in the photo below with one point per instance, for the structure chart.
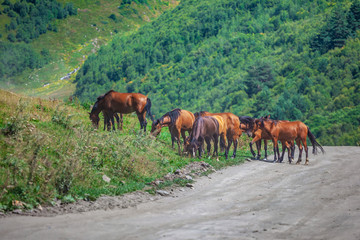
(41, 41)
(291, 59)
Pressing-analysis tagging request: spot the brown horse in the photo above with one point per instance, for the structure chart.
(205, 128)
(233, 127)
(114, 102)
(248, 125)
(290, 132)
(179, 121)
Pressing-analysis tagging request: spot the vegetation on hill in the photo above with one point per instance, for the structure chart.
(50, 151)
(31, 18)
(291, 59)
(67, 41)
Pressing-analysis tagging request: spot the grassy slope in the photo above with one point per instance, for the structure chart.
(48, 150)
(77, 37)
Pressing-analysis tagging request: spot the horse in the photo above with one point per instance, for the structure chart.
(205, 128)
(247, 124)
(179, 121)
(123, 103)
(233, 131)
(290, 131)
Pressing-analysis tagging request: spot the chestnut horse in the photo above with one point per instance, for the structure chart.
(205, 128)
(233, 131)
(179, 121)
(114, 102)
(248, 125)
(290, 131)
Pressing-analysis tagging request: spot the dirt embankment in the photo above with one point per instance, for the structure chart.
(256, 200)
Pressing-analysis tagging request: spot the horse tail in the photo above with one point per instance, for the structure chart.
(314, 143)
(148, 109)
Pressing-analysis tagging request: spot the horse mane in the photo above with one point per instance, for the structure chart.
(195, 130)
(173, 115)
(99, 98)
(199, 114)
(104, 95)
(246, 119)
(94, 108)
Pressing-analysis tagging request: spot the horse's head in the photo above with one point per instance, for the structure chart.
(95, 119)
(187, 144)
(192, 147)
(155, 128)
(247, 124)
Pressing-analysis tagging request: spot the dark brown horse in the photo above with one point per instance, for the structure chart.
(290, 131)
(248, 125)
(233, 127)
(179, 121)
(114, 102)
(204, 129)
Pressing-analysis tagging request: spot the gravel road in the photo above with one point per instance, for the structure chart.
(255, 200)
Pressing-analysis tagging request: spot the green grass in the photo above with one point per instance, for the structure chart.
(49, 151)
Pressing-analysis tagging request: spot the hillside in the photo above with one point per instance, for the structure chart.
(49, 152)
(40, 65)
(291, 59)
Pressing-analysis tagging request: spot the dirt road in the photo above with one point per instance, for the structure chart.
(256, 200)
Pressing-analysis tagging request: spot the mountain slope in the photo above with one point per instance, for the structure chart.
(251, 58)
(76, 37)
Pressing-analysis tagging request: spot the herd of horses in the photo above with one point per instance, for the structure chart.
(207, 127)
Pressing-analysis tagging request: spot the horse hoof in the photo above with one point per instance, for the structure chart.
(264, 159)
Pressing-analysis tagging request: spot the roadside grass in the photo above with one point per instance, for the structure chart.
(50, 151)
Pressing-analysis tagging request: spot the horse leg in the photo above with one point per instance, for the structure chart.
(117, 120)
(121, 121)
(172, 137)
(208, 146)
(254, 140)
(300, 150)
(258, 147)
(276, 149)
(216, 143)
(140, 120)
(183, 135)
(265, 148)
(178, 140)
(283, 151)
(223, 140)
(235, 146)
(251, 149)
(113, 122)
(229, 144)
(306, 151)
(291, 151)
(200, 147)
(105, 120)
(144, 120)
